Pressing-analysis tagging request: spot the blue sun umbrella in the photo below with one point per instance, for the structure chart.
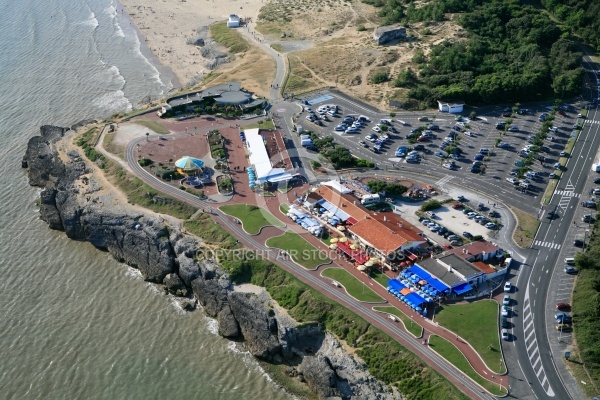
(188, 163)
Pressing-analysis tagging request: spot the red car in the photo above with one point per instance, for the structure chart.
(457, 206)
(423, 139)
(563, 306)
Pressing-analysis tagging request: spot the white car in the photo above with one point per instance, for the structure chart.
(507, 287)
(512, 180)
(505, 334)
(506, 300)
(505, 311)
(596, 191)
(376, 129)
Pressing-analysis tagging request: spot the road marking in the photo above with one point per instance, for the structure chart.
(531, 343)
(567, 193)
(550, 245)
(444, 180)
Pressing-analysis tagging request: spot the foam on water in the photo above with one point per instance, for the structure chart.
(212, 325)
(91, 21)
(113, 102)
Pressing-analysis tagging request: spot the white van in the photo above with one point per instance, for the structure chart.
(570, 261)
(370, 198)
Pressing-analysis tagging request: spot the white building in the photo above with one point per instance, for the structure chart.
(233, 21)
(454, 107)
(259, 159)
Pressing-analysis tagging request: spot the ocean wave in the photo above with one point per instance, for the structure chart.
(116, 76)
(111, 11)
(155, 73)
(112, 102)
(134, 273)
(90, 21)
(212, 325)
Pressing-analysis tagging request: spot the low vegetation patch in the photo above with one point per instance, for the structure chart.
(477, 323)
(253, 218)
(301, 251)
(353, 286)
(203, 226)
(386, 359)
(264, 124)
(451, 353)
(229, 38)
(527, 226)
(153, 125)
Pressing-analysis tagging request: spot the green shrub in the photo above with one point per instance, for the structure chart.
(431, 205)
(145, 162)
(380, 77)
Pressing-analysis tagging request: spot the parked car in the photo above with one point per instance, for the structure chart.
(440, 154)
(363, 143)
(563, 306)
(468, 235)
(491, 225)
(504, 322)
(507, 287)
(506, 300)
(562, 318)
(588, 204)
(505, 334)
(587, 218)
(461, 198)
(505, 311)
(570, 270)
(478, 157)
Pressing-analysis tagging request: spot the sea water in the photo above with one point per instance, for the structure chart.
(74, 323)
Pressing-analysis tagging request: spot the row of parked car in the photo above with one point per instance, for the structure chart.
(454, 239)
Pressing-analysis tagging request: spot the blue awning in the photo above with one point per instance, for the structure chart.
(415, 299)
(396, 285)
(420, 272)
(438, 285)
(462, 288)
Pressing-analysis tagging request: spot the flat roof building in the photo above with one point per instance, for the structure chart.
(384, 34)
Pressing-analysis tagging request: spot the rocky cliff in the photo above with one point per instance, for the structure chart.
(73, 200)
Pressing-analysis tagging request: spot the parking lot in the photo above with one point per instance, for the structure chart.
(452, 219)
(496, 167)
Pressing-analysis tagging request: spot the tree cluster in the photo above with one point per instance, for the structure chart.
(513, 53)
(389, 188)
(582, 17)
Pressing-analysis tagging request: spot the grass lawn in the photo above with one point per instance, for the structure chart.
(354, 287)
(154, 126)
(456, 358)
(380, 278)
(284, 208)
(253, 218)
(409, 324)
(300, 250)
(527, 226)
(477, 323)
(266, 124)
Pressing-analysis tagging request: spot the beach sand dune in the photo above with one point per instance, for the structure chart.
(169, 25)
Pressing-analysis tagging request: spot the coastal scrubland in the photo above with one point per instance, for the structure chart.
(386, 359)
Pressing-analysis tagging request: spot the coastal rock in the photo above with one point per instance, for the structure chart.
(210, 295)
(185, 245)
(257, 324)
(174, 285)
(48, 211)
(228, 325)
(320, 376)
(188, 269)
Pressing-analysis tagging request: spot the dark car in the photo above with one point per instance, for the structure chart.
(468, 235)
(597, 180)
(578, 243)
(588, 204)
(563, 306)
(419, 147)
(552, 215)
(505, 322)
(570, 270)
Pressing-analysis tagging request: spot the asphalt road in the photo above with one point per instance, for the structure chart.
(533, 309)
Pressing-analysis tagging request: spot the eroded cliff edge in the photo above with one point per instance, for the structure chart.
(73, 199)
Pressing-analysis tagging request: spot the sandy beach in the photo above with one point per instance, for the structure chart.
(168, 26)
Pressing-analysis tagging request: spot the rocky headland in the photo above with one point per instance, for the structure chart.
(74, 199)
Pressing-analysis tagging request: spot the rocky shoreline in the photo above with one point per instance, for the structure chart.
(73, 200)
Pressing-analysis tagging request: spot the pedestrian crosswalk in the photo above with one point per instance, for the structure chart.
(567, 193)
(549, 245)
(592, 121)
(444, 180)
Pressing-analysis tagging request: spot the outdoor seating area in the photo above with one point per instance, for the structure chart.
(303, 219)
(414, 298)
(418, 277)
(351, 250)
